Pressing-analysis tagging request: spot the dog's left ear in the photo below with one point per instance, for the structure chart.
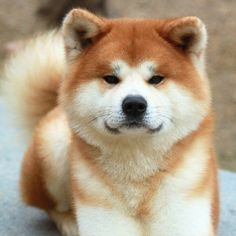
(80, 28)
(187, 33)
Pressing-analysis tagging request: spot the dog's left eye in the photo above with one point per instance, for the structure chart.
(111, 79)
(156, 79)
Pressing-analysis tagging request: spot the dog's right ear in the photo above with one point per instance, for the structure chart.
(80, 27)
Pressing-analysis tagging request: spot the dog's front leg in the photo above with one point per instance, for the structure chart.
(98, 221)
(98, 208)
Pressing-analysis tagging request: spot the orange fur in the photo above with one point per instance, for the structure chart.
(33, 189)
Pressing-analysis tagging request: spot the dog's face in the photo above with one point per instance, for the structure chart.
(136, 79)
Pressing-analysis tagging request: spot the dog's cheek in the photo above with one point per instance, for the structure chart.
(86, 99)
(188, 111)
(159, 107)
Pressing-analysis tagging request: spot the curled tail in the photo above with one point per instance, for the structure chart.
(32, 77)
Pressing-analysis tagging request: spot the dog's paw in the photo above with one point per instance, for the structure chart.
(68, 227)
(65, 222)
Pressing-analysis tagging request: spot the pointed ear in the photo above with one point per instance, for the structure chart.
(187, 33)
(80, 28)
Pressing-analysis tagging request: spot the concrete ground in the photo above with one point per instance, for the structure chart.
(19, 220)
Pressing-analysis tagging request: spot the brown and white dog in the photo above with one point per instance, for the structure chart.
(122, 125)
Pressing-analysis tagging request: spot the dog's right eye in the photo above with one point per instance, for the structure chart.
(111, 79)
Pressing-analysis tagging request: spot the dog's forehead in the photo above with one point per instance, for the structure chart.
(122, 68)
(133, 42)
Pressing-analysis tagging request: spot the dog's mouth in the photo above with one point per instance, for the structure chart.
(132, 125)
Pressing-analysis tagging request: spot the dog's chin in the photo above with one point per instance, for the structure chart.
(132, 128)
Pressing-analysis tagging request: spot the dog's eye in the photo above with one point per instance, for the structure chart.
(156, 79)
(111, 79)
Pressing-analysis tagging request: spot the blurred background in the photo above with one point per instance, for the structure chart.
(20, 19)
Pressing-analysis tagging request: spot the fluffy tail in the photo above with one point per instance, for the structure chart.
(32, 77)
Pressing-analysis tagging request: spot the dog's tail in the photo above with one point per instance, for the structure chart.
(32, 77)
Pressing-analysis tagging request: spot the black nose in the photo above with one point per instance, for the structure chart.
(134, 106)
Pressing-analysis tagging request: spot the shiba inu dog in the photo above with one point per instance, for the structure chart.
(120, 112)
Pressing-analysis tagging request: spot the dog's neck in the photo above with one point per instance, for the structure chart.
(139, 160)
(124, 161)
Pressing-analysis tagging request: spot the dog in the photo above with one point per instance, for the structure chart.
(120, 123)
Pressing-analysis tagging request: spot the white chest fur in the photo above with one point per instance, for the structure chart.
(173, 210)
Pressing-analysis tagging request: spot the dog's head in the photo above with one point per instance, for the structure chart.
(134, 78)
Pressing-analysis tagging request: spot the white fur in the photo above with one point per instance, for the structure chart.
(54, 145)
(99, 219)
(93, 187)
(95, 221)
(176, 211)
(65, 222)
(27, 77)
(180, 216)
